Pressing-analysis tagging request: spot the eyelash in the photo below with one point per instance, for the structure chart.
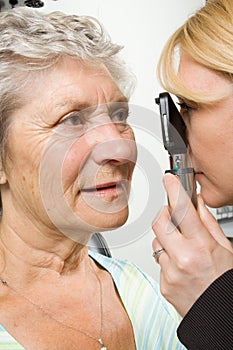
(70, 117)
(124, 113)
(82, 120)
(184, 106)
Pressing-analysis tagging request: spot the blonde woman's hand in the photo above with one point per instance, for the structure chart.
(196, 251)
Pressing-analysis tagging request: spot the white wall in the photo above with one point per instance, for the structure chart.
(142, 27)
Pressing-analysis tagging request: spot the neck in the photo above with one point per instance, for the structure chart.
(36, 254)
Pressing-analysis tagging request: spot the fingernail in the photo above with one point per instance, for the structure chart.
(168, 179)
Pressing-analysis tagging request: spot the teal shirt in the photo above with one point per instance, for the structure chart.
(154, 321)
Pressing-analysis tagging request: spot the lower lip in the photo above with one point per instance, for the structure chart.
(198, 176)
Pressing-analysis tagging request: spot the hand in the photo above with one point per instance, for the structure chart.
(196, 253)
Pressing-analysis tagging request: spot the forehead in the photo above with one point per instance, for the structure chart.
(199, 78)
(70, 85)
(91, 81)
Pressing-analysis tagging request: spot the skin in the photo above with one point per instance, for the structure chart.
(50, 161)
(198, 252)
(210, 134)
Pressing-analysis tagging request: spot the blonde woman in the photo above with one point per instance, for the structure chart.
(197, 259)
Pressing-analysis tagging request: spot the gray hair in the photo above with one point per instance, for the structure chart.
(31, 41)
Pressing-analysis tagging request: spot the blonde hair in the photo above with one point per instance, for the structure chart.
(207, 37)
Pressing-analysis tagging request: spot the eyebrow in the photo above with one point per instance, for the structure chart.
(76, 104)
(71, 104)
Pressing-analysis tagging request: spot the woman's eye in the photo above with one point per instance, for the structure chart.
(120, 116)
(184, 107)
(73, 120)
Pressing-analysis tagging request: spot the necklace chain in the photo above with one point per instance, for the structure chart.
(99, 340)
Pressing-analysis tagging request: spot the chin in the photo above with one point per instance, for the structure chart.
(98, 222)
(111, 223)
(215, 200)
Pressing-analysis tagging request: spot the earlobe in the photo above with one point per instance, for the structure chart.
(3, 177)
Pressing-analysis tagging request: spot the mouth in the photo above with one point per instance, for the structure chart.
(106, 189)
(198, 175)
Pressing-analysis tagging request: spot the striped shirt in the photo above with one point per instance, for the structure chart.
(154, 321)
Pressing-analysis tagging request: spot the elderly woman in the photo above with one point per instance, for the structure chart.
(67, 157)
(197, 260)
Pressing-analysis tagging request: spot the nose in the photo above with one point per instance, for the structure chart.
(115, 150)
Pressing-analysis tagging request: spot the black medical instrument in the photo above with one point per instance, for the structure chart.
(175, 142)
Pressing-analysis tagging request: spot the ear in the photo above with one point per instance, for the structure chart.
(3, 177)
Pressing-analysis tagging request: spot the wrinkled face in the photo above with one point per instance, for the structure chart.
(72, 152)
(210, 133)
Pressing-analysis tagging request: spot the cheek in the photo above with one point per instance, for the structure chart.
(131, 170)
(23, 165)
(78, 152)
(25, 150)
(74, 161)
(200, 136)
(128, 134)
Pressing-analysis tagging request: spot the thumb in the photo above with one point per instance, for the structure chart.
(212, 225)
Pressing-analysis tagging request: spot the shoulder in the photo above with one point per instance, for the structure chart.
(135, 286)
(7, 341)
(123, 269)
(154, 320)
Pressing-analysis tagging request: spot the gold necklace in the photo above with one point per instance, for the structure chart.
(99, 340)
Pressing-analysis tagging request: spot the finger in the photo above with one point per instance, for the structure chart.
(163, 260)
(212, 225)
(167, 235)
(181, 207)
(156, 244)
(158, 250)
(179, 201)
